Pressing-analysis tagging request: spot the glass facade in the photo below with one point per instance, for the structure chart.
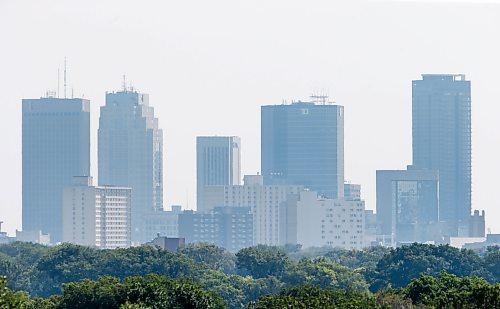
(442, 142)
(130, 154)
(56, 147)
(408, 204)
(217, 163)
(303, 144)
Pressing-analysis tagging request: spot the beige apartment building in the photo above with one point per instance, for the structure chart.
(97, 216)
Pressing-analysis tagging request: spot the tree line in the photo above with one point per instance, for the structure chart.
(206, 276)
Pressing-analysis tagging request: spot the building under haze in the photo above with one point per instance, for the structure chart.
(442, 142)
(303, 144)
(408, 205)
(265, 202)
(227, 227)
(130, 154)
(314, 221)
(96, 216)
(217, 163)
(56, 147)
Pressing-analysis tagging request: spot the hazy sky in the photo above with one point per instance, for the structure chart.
(209, 65)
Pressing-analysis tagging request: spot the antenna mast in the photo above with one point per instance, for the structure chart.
(65, 77)
(58, 81)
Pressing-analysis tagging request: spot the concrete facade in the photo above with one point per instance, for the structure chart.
(408, 205)
(265, 202)
(319, 222)
(97, 216)
(227, 227)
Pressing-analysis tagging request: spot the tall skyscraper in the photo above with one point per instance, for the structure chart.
(442, 141)
(303, 144)
(56, 147)
(130, 153)
(217, 164)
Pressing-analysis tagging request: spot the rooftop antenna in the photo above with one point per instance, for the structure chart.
(58, 81)
(124, 85)
(1, 226)
(65, 77)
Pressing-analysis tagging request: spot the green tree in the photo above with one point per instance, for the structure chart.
(311, 297)
(397, 268)
(262, 261)
(12, 300)
(450, 291)
(211, 256)
(323, 273)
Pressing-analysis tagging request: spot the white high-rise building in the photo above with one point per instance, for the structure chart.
(265, 202)
(96, 216)
(313, 221)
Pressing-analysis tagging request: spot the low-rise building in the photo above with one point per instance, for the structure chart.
(171, 244)
(163, 223)
(227, 227)
(36, 237)
(97, 216)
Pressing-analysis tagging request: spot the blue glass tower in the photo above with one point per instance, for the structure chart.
(130, 154)
(56, 147)
(442, 142)
(303, 144)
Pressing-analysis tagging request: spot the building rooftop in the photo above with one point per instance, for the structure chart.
(449, 77)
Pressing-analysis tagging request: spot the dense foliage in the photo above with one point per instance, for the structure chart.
(70, 276)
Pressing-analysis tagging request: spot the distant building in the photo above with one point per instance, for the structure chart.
(372, 228)
(97, 216)
(265, 203)
(56, 147)
(442, 142)
(35, 237)
(352, 192)
(303, 144)
(172, 244)
(316, 222)
(477, 224)
(479, 244)
(130, 153)
(217, 163)
(408, 204)
(227, 227)
(4, 238)
(163, 223)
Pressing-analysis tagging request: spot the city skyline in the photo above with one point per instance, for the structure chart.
(387, 88)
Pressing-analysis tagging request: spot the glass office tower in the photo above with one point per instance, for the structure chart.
(130, 154)
(442, 142)
(303, 144)
(217, 164)
(56, 147)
